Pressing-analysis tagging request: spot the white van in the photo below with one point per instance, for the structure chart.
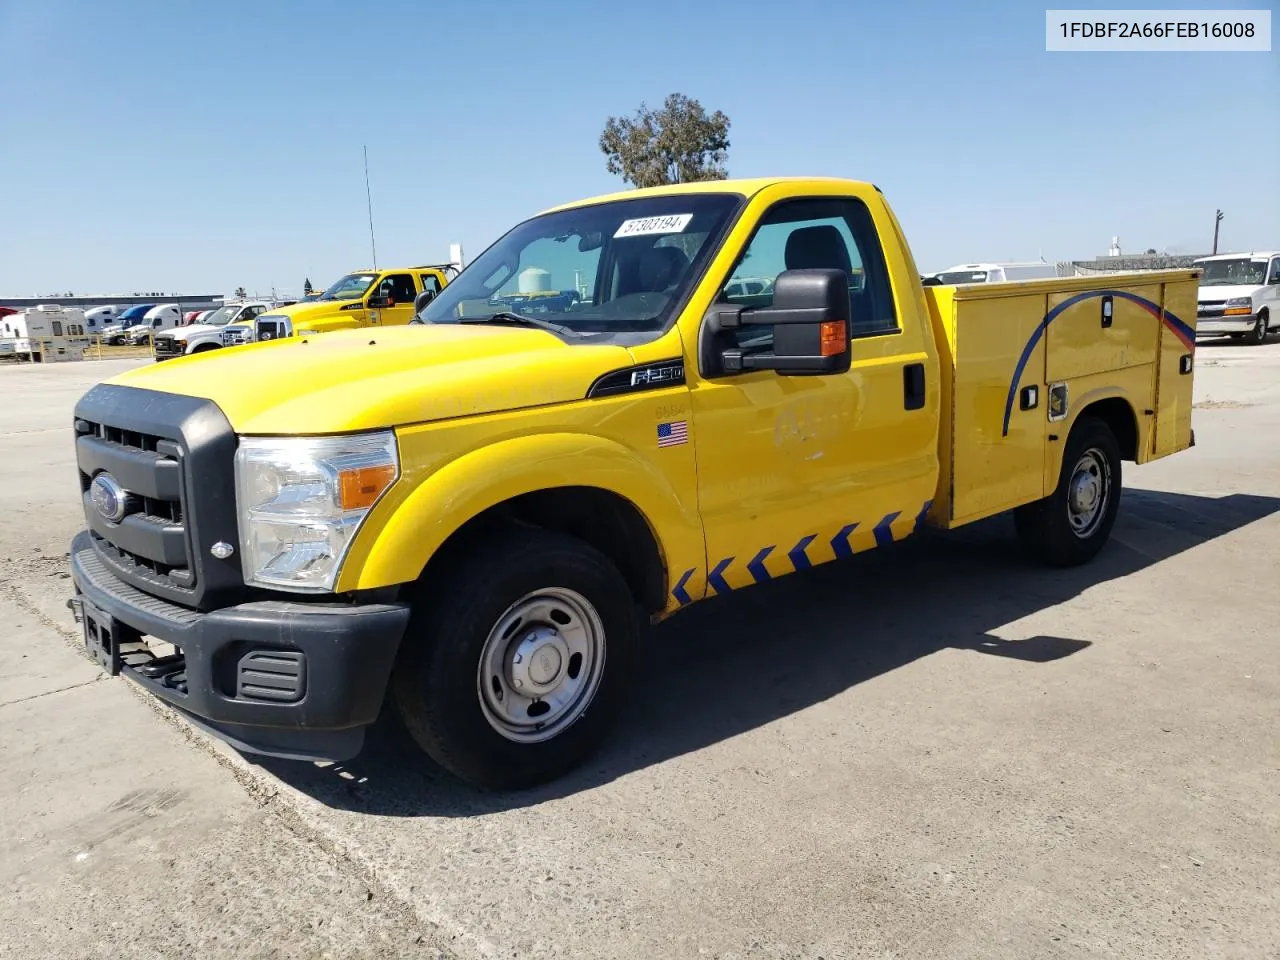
(1239, 295)
(164, 317)
(47, 333)
(1008, 272)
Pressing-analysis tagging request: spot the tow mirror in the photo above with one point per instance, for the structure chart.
(421, 300)
(810, 320)
(378, 301)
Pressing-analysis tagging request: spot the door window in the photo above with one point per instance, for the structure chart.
(430, 282)
(399, 286)
(815, 233)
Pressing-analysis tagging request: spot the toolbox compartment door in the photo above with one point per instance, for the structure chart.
(997, 446)
(1174, 372)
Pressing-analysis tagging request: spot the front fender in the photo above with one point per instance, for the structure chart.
(427, 506)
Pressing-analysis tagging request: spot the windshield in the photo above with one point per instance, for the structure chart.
(1228, 273)
(616, 267)
(949, 278)
(220, 317)
(350, 287)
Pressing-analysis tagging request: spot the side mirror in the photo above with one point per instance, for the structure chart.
(421, 300)
(810, 319)
(378, 301)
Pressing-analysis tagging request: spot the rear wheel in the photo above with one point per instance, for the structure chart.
(516, 658)
(1073, 523)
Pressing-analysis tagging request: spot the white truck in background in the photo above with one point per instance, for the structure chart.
(1239, 295)
(98, 319)
(207, 334)
(1002, 272)
(48, 333)
(166, 316)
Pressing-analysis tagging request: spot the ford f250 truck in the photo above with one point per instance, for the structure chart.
(366, 298)
(476, 515)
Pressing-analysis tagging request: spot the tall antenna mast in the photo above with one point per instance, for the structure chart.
(369, 200)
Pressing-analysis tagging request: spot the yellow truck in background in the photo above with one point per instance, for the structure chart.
(476, 515)
(365, 298)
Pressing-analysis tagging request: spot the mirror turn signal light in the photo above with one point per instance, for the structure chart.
(835, 337)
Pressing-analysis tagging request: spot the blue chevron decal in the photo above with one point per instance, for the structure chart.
(679, 591)
(757, 568)
(840, 542)
(884, 529)
(716, 577)
(924, 512)
(799, 560)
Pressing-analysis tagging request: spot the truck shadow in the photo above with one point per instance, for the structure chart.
(735, 663)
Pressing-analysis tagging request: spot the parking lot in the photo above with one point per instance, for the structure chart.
(933, 750)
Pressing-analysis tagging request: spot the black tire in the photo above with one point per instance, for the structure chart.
(435, 684)
(1046, 527)
(1261, 329)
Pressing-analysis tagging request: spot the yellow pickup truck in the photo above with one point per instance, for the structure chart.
(477, 515)
(366, 298)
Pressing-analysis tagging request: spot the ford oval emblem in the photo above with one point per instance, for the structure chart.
(109, 498)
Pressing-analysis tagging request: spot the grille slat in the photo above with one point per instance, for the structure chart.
(151, 541)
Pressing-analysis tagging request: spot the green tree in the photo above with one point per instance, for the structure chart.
(306, 287)
(679, 143)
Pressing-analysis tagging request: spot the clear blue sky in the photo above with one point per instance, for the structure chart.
(195, 147)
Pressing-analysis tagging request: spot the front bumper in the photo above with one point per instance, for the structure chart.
(1212, 326)
(279, 678)
(167, 349)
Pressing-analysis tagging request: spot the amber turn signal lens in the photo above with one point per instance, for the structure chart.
(1237, 312)
(834, 338)
(360, 487)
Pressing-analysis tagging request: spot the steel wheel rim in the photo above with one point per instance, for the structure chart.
(541, 665)
(1088, 493)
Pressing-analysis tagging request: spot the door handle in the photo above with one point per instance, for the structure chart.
(913, 386)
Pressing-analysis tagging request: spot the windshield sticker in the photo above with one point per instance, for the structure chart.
(645, 226)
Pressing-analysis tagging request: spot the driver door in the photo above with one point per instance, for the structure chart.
(400, 290)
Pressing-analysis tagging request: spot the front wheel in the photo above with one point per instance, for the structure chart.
(1260, 329)
(1073, 523)
(515, 659)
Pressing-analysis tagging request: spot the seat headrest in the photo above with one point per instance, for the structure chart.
(811, 248)
(660, 268)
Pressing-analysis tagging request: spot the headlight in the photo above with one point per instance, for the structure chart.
(1239, 305)
(301, 501)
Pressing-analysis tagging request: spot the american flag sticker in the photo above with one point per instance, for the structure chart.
(673, 434)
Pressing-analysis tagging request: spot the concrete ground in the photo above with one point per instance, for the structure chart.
(934, 750)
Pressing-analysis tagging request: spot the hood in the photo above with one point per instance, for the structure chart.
(192, 330)
(315, 308)
(369, 379)
(1226, 292)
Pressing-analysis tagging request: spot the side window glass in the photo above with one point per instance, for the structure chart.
(399, 286)
(1275, 271)
(806, 234)
(57, 328)
(430, 282)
